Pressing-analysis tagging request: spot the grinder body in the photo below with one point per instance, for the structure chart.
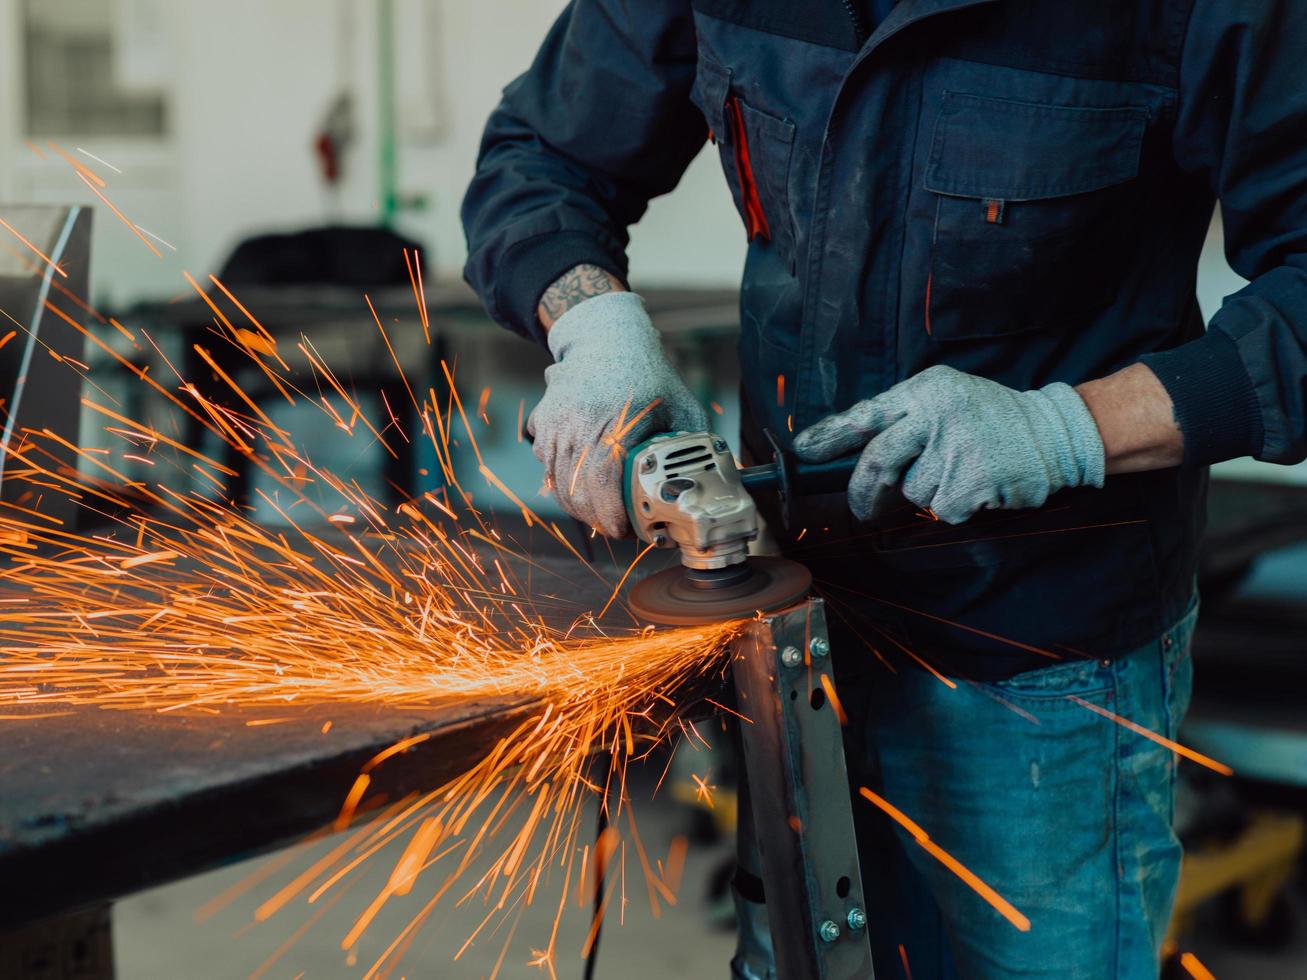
(683, 490)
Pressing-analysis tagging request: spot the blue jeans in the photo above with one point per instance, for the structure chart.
(1063, 812)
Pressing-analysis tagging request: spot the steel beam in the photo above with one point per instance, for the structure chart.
(799, 790)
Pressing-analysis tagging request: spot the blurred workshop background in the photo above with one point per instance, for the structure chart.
(351, 128)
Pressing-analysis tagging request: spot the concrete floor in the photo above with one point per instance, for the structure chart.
(157, 936)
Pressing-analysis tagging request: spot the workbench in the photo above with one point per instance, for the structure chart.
(97, 804)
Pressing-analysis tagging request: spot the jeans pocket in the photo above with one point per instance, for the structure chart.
(1079, 678)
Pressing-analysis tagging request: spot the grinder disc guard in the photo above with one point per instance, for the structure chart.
(683, 597)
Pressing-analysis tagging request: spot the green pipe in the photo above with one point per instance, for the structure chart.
(389, 168)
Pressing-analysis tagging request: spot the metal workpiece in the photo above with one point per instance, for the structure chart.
(801, 807)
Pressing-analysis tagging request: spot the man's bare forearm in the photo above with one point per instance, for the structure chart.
(574, 286)
(1135, 419)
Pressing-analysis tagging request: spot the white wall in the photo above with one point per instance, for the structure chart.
(253, 79)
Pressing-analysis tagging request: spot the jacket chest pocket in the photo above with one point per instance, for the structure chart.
(1031, 203)
(755, 149)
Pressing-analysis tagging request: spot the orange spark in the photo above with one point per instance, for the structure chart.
(1195, 968)
(256, 342)
(44, 258)
(82, 170)
(1138, 729)
(676, 853)
(1000, 904)
(419, 294)
(119, 215)
(834, 699)
(703, 790)
(351, 803)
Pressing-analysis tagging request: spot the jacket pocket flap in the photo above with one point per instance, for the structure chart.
(1025, 151)
(712, 85)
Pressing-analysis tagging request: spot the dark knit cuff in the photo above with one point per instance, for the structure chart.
(1215, 402)
(532, 266)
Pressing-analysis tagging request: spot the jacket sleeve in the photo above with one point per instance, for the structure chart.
(601, 123)
(1242, 126)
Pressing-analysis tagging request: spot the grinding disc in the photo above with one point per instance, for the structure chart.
(671, 598)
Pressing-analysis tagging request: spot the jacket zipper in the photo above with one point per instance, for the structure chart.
(855, 15)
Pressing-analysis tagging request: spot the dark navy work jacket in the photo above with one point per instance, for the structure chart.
(1016, 188)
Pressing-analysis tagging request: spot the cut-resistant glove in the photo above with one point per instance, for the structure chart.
(610, 368)
(957, 444)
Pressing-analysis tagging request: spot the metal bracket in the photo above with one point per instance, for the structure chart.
(802, 811)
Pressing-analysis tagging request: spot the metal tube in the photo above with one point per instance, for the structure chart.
(799, 799)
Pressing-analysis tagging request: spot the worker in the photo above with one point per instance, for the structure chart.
(974, 228)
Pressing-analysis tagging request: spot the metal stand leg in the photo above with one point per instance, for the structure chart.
(802, 813)
(74, 946)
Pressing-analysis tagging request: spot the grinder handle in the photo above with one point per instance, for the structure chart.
(791, 479)
(831, 476)
(804, 479)
(787, 475)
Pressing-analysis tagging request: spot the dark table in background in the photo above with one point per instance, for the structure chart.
(344, 335)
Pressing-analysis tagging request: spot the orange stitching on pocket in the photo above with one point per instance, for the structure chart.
(929, 277)
(755, 219)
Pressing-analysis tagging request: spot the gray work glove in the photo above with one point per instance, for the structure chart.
(610, 366)
(960, 444)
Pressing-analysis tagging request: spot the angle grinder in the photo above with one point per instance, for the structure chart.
(683, 490)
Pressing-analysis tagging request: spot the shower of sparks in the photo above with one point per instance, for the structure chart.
(183, 603)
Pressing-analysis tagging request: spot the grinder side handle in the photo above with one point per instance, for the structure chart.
(791, 479)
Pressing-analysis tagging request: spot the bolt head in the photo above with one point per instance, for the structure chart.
(857, 919)
(649, 463)
(660, 541)
(819, 647)
(791, 657)
(829, 931)
(719, 445)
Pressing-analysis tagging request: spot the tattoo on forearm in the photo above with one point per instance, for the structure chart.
(577, 284)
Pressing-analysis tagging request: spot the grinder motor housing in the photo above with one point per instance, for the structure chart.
(683, 490)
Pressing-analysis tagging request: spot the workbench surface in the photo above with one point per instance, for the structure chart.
(98, 803)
